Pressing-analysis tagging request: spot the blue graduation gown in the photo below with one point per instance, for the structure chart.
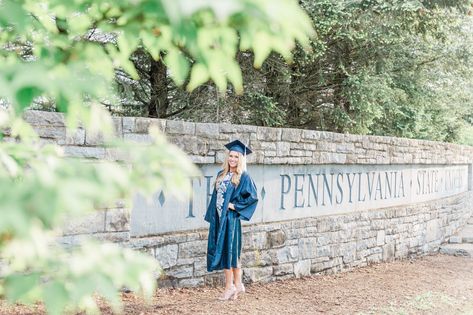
(224, 242)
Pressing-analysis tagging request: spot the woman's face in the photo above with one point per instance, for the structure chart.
(233, 157)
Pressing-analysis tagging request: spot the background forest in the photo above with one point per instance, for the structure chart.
(396, 67)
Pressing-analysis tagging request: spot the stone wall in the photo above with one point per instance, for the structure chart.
(285, 249)
(317, 245)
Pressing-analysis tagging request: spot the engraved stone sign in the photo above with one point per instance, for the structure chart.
(288, 192)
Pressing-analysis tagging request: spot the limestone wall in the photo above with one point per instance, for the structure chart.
(290, 247)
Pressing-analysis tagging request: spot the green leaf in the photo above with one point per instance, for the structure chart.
(56, 297)
(22, 288)
(25, 96)
(262, 47)
(199, 75)
(234, 76)
(11, 12)
(178, 66)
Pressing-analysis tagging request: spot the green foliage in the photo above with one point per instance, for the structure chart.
(399, 68)
(67, 52)
(262, 110)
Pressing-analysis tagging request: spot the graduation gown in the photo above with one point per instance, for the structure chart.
(224, 242)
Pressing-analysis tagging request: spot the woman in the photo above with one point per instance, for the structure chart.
(234, 198)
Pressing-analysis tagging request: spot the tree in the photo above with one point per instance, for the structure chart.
(68, 65)
(376, 67)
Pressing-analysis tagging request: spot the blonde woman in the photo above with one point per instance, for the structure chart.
(234, 198)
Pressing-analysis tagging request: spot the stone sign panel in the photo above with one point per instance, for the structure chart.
(298, 191)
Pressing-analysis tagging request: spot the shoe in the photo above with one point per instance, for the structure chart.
(240, 288)
(228, 294)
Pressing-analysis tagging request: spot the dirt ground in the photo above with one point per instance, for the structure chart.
(428, 285)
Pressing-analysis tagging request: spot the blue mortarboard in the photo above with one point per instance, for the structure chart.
(238, 146)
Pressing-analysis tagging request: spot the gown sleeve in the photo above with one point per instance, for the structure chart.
(211, 207)
(246, 201)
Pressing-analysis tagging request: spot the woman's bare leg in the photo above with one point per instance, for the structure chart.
(228, 278)
(237, 276)
(229, 288)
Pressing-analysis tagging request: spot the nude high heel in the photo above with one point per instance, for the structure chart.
(228, 294)
(240, 288)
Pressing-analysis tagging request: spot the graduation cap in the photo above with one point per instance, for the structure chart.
(238, 146)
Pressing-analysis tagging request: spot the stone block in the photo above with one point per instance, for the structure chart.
(143, 124)
(467, 239)
(252, 241)
(167, 255)
(43, 118)
(345, 148)
(319, 267)
(302, 268)
(324, 239)
(93, 222)
(84, 152)
(433, 231)
(293, 135)
(147, 242)
(214, 279)
(457, 250)
(300, 153)
(282, 149)
(117, 220)
(255, 258)
(265, 146)
(194, 145)
(128, 124)
(374, 258)
(284, 269)
(257, 274)
(329, 157)
(230, 128)
(118, 126)
(198, 159)
(380, 238)
(268, 134)
(94, 138)
(114, 237)
(310, 135)
(286, 254)
(348, 251)
(455, 239)
(78, 239)
(307, 248)
(75, 137)
(51, 132)
(206, 130)
(164, 282)
(179, 272)
(276, 238)
(191, 282)
(322, 251)
(138, 138)
(193, 249)
(180, 127)
(115, 154)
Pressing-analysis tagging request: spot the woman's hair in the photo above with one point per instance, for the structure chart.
(241, 167)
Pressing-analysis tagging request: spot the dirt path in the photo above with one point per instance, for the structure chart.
(429, 285)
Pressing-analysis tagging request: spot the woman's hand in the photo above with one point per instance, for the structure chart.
(231, 206)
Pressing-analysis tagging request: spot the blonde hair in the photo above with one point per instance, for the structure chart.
(241, 167)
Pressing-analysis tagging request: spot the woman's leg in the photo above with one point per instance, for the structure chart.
(228, 278)
(237, 276)
(229, 288)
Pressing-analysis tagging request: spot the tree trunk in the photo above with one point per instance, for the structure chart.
(158, 104)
